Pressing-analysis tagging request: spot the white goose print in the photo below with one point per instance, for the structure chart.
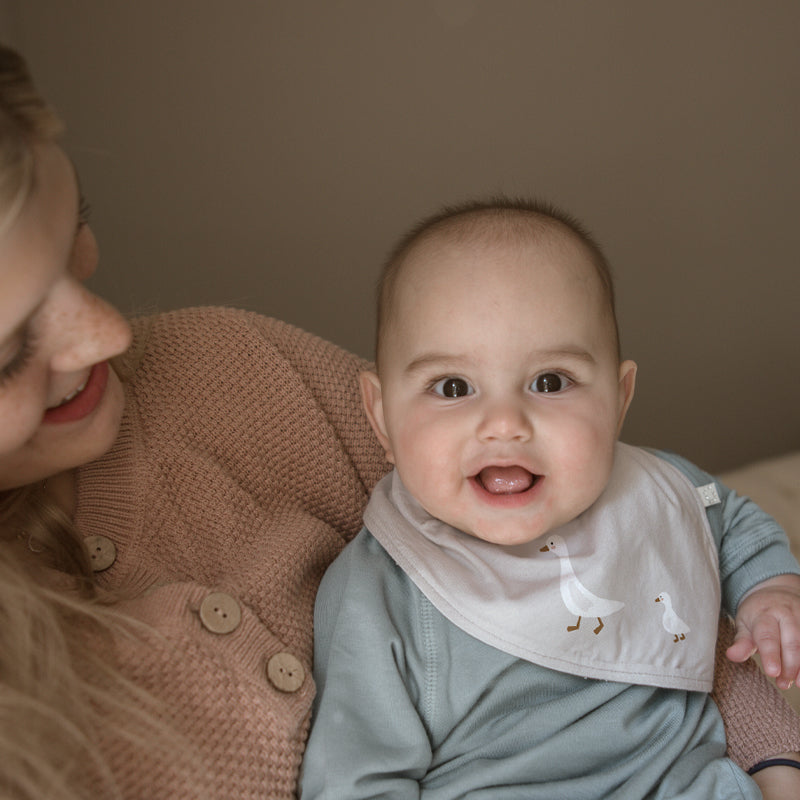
(577, 598)
(671, 621)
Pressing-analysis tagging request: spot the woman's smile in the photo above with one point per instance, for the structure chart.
(83, 400)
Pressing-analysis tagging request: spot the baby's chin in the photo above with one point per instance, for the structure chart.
(518, 527)
(507, 536)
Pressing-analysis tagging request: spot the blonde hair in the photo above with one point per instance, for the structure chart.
(24, 119)
(58, 693)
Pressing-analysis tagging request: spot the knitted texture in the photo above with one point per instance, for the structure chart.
(758, 721)
(243, 465)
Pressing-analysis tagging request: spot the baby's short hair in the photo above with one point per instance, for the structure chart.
(495, 220)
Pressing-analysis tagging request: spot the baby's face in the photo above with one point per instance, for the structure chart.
(500, 395)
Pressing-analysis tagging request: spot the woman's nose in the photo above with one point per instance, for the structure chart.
(84, 329)
(505, 420)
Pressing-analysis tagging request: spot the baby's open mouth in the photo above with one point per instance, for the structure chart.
(506, 480)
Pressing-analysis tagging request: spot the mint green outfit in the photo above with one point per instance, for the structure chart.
(411, 706)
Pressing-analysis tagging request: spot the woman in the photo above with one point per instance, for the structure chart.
(165, 521)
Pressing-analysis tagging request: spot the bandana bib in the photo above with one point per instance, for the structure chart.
(628, 591)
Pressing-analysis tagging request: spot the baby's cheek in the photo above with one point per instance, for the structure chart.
(587, 467)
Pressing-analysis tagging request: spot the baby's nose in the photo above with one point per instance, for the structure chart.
(505, 421)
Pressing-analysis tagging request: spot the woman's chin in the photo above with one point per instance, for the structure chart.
(66, 445)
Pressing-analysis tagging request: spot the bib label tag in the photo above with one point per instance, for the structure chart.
(709, 494)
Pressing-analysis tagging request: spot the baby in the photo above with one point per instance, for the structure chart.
(531, 610)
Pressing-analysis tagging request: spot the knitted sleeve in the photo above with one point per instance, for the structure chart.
(759, 723)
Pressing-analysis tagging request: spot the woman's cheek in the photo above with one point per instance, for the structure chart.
(20, 418)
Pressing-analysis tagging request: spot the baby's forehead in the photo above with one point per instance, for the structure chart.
(487, 248)
(489, 230)
(479, 248)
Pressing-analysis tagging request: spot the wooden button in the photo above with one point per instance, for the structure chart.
(285, 672)
(220, 613)
(102, 552)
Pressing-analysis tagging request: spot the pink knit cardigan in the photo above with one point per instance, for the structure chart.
(241, 470)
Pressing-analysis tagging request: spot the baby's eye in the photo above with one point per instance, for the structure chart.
(452, 387)
(550, 382)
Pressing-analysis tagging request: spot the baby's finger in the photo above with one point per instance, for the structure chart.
(790, 655)
(767, 636)
(743, 646)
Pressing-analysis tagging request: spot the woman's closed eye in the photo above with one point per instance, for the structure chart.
(452, 388)
(550, 383)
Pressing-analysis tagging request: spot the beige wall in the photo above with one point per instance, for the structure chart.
(266, 154)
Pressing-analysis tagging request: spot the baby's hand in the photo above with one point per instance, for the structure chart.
(768, 621)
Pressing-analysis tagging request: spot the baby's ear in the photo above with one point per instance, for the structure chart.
(372, 397)
(627, 384)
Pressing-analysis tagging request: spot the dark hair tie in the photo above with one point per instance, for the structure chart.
(774, 762)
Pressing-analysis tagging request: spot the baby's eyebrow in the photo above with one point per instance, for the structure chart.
(451, 362)
(561, 353)
(442, 360)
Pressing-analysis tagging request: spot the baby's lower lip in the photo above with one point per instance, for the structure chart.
(84, 402)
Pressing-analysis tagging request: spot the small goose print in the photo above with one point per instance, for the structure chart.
(671, 621)
(577, 598)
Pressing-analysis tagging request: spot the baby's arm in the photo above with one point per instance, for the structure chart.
(367, 739)
(768, 621)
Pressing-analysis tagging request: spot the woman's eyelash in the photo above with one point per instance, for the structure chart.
(20, 360)
(84, 211)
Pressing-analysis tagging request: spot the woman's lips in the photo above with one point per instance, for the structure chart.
(84, 402)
